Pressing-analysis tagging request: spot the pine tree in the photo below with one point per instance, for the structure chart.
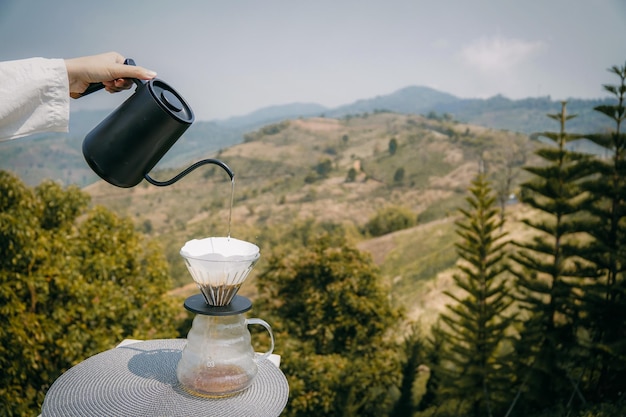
(606, 297)
(432, 358)
(412, 349)
(475, 368)
(548, 269)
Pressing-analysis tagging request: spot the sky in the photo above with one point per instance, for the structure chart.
(232, 57)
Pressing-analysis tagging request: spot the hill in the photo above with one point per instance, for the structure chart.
(58, 156)
(418, 263)
(337, 172)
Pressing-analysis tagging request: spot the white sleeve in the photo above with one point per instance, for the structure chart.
(34, 97)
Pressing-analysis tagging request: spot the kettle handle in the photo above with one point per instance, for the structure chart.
(226, 168)
(93, 87)
(269, 330)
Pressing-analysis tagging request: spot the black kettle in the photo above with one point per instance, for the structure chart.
(128, 143)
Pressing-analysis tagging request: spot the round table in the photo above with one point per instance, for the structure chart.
(139, 379)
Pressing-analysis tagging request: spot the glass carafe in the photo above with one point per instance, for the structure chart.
(218, 359)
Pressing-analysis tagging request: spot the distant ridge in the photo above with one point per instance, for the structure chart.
(524, 115)
(410, 100)
(273, 114)
(58, 156)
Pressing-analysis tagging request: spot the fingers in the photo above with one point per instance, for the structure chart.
(123, 83)
(107, 68)
(131, 71)
(117, 69)
(115, 86)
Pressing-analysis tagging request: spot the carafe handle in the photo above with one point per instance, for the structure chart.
(265, 324)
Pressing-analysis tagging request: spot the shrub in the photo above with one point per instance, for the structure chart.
(389, 220)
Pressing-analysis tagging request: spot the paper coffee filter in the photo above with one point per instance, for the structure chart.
(219, 249)
(219, 266)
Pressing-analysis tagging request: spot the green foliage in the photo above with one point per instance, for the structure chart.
(413, 351)
(275, 128)
(328, 293)
(351, 176)
(393, 146)
(320, 171)
(323, 168)
(147, 227)
(433, 349)
(605, 297)
(549, 269)
(326, 302)
(390, 219)
(398, 176)
(432, 115)
(474, 368)
(69, 289)
(606, 409)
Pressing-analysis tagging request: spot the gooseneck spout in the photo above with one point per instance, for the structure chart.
(225, 167)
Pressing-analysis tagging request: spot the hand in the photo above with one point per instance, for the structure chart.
(107, 68)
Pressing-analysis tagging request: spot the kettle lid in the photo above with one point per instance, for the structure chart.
(170, 101)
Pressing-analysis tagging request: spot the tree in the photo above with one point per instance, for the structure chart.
(327, 305)
(549, 269)
(398, 176)
(474, 365)
(605, 297)
(432, 357)
(323, 168)
(393, 146)
(507, 161)
(413, 352)
(390, 219)
(351, 176)
(68, 288)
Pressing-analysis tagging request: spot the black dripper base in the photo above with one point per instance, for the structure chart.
(197, 304)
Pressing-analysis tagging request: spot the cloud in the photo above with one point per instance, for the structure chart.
(499, 54)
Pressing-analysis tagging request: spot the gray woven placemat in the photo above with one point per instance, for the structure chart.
(140, 380)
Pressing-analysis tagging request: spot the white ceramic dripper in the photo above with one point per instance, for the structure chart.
(219, 265)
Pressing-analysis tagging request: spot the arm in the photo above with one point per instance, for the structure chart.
(35, 92)
(34, 97)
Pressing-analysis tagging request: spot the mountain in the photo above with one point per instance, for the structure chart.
(273, 114)
(409, 100)
(529, 115)
(524, 115)
(58, 156)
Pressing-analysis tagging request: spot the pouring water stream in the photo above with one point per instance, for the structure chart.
(232, 198)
